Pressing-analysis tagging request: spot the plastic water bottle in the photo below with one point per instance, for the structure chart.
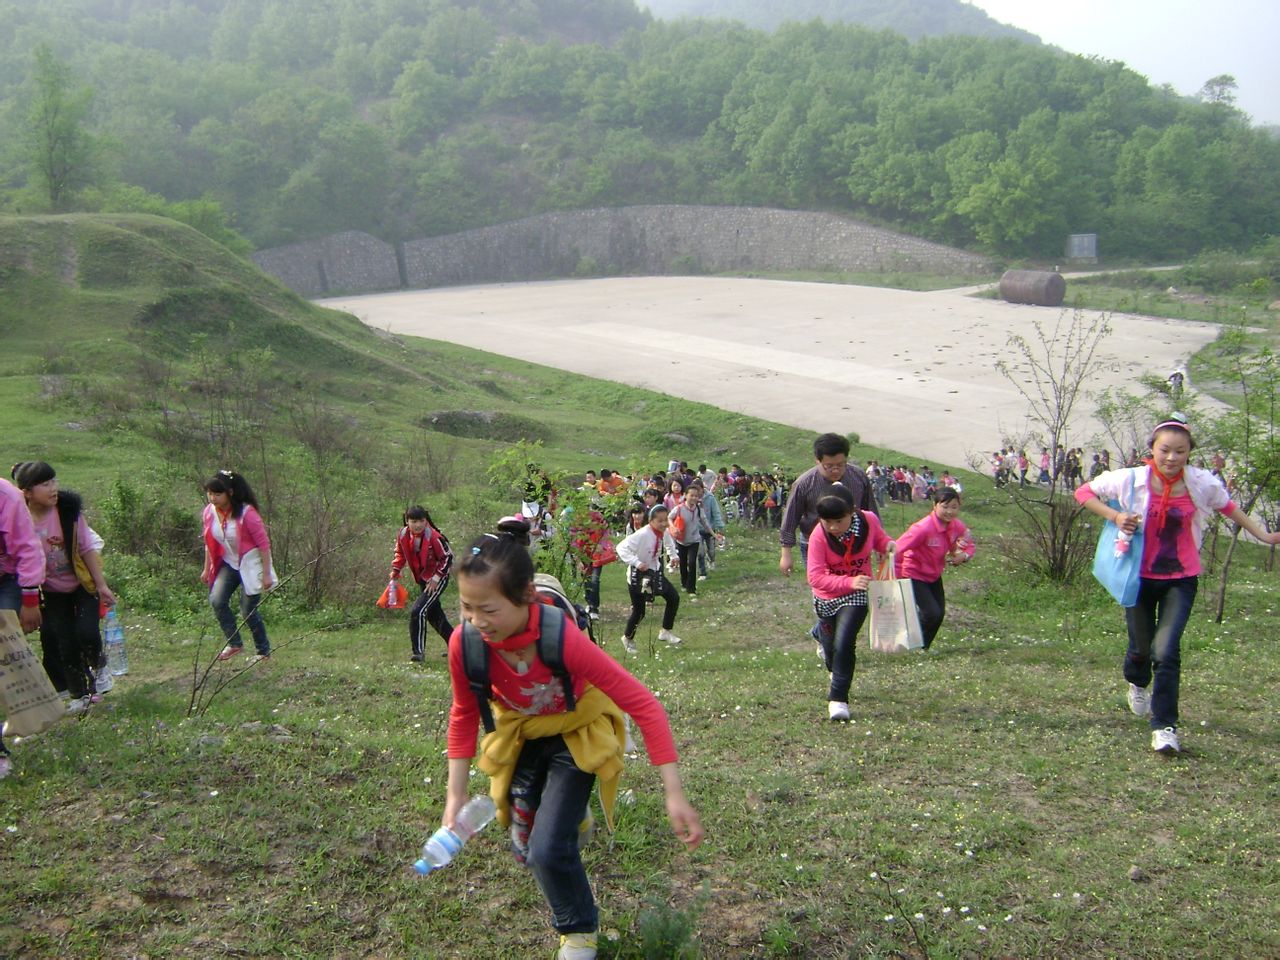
(393, 595)
(1123, 541)
(444, 844)
(113, 638)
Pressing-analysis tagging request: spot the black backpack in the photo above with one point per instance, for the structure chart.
(550, 643)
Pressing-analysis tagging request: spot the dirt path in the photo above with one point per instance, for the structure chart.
(910, 371)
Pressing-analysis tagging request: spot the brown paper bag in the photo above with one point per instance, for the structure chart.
(27, 698)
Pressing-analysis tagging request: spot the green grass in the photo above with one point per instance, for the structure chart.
(995, 787)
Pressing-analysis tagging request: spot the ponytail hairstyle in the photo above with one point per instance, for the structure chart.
(419, 512)
(31, 473)
(835, 503)
(234, 486)
(637, 510)
(946, 495)
(507, 559)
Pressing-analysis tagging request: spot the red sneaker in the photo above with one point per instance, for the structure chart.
(229, 651)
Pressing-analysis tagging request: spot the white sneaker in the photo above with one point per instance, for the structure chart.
(78, 706)
(837, 710)
(669, 637)
(1139, 700)
(703, 577)
(1165, 740)
(577, 946)
(628, 644)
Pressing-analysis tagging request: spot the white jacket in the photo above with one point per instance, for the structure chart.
(1207, 493)
(643, 547)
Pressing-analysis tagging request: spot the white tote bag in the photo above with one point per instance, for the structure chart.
(895, 623)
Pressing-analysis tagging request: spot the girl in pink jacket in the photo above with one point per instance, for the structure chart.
(838, 565)
(925, 549)
(237, 554)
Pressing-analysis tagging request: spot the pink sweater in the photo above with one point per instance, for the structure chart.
(251, 533)
(924, 548)
(829, 571)
(539, 692)
(20, 551)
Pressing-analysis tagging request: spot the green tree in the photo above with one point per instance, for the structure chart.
(61, 148)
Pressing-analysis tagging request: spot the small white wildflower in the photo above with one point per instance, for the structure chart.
(964, 909)
(919, 916)
(982, 928)
(213, 793)
(888, 917)
(946, 910)
(874, 875)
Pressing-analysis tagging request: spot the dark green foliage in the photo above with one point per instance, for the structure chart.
(291, 120)
(485, 425)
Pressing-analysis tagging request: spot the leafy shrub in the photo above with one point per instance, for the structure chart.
(485, 425)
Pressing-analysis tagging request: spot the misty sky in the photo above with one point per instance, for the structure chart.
(1179, 42)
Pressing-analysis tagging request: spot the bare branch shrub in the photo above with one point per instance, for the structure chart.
(1051, 371)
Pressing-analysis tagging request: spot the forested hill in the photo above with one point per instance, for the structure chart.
(911, 18)
(293, 119)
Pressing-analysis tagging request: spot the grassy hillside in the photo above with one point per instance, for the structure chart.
(140, 357)
(991, 798)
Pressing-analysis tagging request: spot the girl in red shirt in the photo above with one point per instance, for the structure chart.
(425, 551)
(542, 759)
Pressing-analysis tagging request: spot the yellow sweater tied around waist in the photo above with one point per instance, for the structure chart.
(593, 732)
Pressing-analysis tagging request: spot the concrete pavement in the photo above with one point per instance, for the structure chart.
(910, 371)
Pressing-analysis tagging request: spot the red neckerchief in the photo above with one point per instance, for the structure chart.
(518, 641)
(1162, 509)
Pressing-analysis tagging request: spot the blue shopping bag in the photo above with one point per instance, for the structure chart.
(1119, 571)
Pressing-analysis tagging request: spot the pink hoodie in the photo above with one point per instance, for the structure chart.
(21, 553)
(923, 550)
(829, 572)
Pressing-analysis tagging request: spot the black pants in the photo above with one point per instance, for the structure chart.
(427, 610)
(662, 588)
(688, 554)
(71, 640)
(931, 602)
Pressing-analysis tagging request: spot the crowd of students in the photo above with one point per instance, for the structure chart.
(559, 726)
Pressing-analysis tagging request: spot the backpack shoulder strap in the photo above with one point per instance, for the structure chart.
(475, 660)
(551, 650)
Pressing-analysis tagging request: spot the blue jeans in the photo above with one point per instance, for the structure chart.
(839, 638)
(549, 792)
(224, 585)
(707, 554)
(591, 588)
(1155, 624)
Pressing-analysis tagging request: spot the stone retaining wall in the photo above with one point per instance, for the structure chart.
(644, 240)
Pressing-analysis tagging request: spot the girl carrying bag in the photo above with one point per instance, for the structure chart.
(29, 702)
(895, 623)
(1117, 567)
